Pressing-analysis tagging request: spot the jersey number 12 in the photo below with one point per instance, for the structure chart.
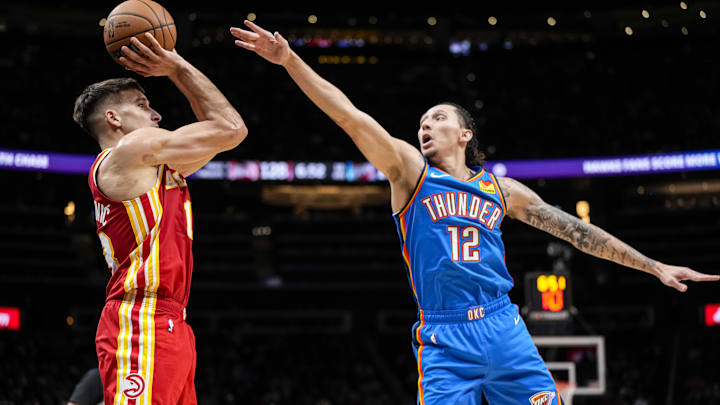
(464, 243)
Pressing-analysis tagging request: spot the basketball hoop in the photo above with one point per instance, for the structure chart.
(566, 389)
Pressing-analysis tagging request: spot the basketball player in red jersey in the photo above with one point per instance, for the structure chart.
(146, 351)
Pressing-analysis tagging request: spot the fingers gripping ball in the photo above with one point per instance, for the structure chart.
(133, 18)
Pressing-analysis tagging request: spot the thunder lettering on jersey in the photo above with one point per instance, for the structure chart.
(451, 240)
(147, 241)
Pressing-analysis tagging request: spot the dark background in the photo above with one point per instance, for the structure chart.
(319, 311)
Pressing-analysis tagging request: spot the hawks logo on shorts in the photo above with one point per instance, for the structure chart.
(542, 398)
(133, 385)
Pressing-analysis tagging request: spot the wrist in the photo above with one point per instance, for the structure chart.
(180, 67)
(653, 267)
(292, 61)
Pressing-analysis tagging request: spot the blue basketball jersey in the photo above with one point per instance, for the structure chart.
(451, 240)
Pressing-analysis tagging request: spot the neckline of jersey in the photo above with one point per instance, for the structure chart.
(470, 180)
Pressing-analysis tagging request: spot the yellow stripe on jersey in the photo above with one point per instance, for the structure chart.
(150, 331)
(135, 255)
(500, 194)
(155, 202)
(146, 339)
(99, 159)
(161, 173)
(104, 152)
(124, 351)
(133, 221)
(139, 212)
(476, 176)
(153, 206)
(146, 314)
(153, 282)
(124, 347)
(150, 350)
(142, 346)
(124, 354)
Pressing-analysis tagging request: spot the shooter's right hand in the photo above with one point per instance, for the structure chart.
(151, 60)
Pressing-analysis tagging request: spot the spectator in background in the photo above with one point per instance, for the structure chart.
(88, 390)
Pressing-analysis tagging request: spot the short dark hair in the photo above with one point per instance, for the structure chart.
(95, 94)
(473, 155)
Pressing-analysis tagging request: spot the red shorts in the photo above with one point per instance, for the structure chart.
(146, 352)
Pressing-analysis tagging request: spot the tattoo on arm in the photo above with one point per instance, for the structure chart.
(529, 208)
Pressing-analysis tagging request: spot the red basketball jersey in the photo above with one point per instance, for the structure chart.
(147, 241)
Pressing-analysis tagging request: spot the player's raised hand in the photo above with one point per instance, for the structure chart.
(152, 60)
(272, 47)
(672, 276)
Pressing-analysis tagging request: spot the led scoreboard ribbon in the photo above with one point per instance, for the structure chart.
(351, 172)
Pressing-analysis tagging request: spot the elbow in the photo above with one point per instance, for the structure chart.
(231, 133)
(236, 135)
(343, 120)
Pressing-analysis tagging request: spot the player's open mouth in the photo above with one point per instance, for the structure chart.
(426, 139)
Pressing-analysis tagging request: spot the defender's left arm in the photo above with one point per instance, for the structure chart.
(525, 205)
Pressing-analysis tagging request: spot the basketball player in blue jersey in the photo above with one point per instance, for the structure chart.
(469, 340)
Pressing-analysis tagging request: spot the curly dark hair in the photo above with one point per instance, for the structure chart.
(473, 155)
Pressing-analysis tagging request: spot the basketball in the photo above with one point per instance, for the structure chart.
(133, 18)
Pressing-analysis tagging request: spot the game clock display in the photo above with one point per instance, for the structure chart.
(547, 296)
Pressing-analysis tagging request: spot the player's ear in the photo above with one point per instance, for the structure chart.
(466, 135)
(113, 119)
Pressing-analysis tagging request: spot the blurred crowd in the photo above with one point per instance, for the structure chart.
(597, 97)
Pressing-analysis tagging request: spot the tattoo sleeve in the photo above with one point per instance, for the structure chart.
(528, 207)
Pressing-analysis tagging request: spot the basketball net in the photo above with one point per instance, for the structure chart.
(566, 390)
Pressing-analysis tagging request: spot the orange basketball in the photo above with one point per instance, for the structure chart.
(133, 18)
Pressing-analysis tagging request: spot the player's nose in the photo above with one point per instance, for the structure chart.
(156, 117)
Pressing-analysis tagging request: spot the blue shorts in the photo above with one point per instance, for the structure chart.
(464, 354)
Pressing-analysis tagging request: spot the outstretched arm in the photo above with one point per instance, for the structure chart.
(528, 207)
(398, 160)
(184, 147)
(206, 100)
